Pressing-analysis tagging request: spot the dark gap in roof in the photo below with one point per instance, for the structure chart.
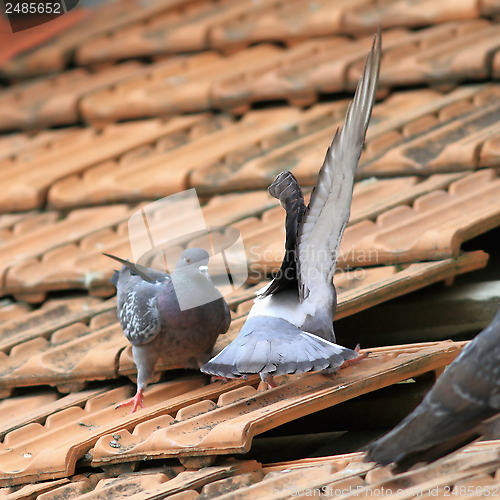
(436, 312)
(341, 428)
(488, 242)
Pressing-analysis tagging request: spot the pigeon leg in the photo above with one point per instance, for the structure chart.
(269, 380)
(348, 362)
(214, 378)
(136, 401)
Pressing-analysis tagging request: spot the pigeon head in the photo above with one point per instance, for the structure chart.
(194, 258)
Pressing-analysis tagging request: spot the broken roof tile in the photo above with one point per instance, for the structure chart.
(207, 428)
(54, 100)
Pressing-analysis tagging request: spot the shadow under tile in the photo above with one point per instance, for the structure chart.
(343, 428)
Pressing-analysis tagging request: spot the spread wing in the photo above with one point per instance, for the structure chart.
(326, 216)
(287, 190)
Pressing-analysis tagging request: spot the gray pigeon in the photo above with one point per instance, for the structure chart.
(290, 326)
(453, 413)
(157, 326)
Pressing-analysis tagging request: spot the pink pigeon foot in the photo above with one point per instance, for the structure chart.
(214, 378)
(360, 357)
(136, 401)
(269, 380)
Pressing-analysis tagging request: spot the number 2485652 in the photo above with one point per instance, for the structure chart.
(33, 8)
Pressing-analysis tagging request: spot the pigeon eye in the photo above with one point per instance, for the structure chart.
(188, 260)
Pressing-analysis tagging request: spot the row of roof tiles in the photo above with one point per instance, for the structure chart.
(393, 221)
(447, 53)
(341, 476)
(132, 28)
(419, 132)
(186, 418)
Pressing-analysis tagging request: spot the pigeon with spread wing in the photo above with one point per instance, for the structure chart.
(290, 326)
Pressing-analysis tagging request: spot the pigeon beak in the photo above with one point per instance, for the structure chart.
(204, 270)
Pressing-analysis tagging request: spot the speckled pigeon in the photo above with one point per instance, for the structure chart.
(453, 413)
(290, 326)
(155, 324)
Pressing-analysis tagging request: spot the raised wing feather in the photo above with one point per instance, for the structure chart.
(287, 190)
(328, 211)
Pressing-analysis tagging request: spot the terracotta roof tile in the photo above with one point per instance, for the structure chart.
(477, 465)
(179, 84)
(20, 143)
(364, 288)
(30, 490)
(26, 40)
(42, 237)
(26, 179)
(337, 66)
(19, 411)
(54, 100)
(69, 342)
(54, 314)
(179, 25)
(74, 354)
(301, 19)
(67, 435)
(404, 233)
(81, 264)
(10, 309)
(435, 208)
